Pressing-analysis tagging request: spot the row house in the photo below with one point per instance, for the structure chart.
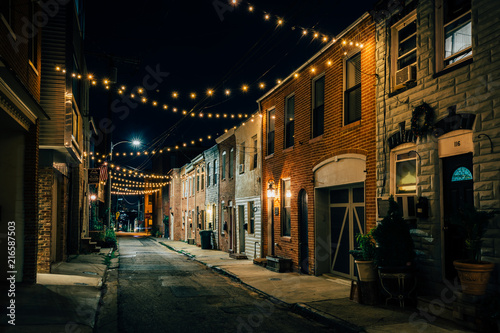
(20, 117)
(211, 157)
(318, 169)
(437, 123)
(248, 183)
(199, 219)
(227, 211)
(64, 96)
(172, 206)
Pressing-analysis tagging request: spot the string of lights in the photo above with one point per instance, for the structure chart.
(132, 173)
(134, 192)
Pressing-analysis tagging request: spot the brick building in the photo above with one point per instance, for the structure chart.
(227, 212)
(318, 172)
(438, 58)
(20, 116)
(199, 221)
(172, 207)
(62, 146)
(248, 187)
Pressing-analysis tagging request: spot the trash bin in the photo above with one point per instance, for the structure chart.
(205, 236)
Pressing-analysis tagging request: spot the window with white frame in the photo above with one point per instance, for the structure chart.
(254, 161)
(202, 178)
(215, 171)
(231, 163)
(352, 92)
(286, 199)
(208, 174)
(251, 217)
(405, 172)
(289, 120)
(404, 43)
(271, 117)
(242, 157)
(223, 166)
(454, 32)
(318, 105)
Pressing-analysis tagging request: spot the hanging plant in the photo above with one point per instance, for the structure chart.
(422, 110)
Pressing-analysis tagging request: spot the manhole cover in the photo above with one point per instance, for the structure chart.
(90, 273)
(274, 279)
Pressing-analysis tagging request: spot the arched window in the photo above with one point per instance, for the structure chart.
(461, 174)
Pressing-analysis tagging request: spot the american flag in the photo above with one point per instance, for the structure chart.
(103, 173)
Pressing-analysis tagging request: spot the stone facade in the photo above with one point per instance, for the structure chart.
(463, 97)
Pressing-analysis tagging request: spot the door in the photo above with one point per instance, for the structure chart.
(303, 233)
(241, 222)
(457, 192)
(347, 218)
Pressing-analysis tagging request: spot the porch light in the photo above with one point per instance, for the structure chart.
(288, 194)
(93, 197)
(271, 193)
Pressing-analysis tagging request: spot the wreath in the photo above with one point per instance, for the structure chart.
(428, 112)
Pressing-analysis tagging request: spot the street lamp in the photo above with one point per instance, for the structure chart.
(135, 143)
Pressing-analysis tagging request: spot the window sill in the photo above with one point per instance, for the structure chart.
(269, 156)
(286, 150)
(402, 90)
(316, 139)
(287, 239)
(453, 67)
(351, 126)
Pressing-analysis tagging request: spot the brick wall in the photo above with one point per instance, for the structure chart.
(31, 204)
(297, 163)
(45, 186)
(226, 193)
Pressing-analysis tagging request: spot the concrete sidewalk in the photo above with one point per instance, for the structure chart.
(67, 300)
(325, 298)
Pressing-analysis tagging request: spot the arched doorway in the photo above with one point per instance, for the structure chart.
(303, 233)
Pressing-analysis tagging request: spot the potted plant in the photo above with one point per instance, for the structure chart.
(473, 272)
(394, 254)
(364, 256)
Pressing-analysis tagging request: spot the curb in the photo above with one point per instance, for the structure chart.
(340, 325)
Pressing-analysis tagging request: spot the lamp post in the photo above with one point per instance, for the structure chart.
(134, 143)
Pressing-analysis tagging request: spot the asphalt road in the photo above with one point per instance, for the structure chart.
(162, 291)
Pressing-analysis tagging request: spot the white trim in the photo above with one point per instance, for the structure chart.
(337, 158)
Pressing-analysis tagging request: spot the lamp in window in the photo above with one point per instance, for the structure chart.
(271, 192)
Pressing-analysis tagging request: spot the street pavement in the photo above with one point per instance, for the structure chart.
(160, 290)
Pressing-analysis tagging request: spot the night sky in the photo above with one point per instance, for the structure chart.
(199, 50)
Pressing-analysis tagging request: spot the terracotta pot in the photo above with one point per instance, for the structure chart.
(366, 270)
(474, 276)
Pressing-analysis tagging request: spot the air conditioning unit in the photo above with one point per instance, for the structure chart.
(242, 168)
(405, 76)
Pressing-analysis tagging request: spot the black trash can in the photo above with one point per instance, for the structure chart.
(205, 236)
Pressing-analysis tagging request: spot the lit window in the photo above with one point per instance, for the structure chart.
(454, 32)
(286, 207)
(406, 173)
(271, 115)
(461, 174)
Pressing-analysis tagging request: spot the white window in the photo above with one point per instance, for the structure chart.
(286, 199)
(403, 46)
(242, 158)
(454, 32)
(404, 172)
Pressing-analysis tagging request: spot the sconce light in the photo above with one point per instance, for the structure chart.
(271, 193)
(209, 210)
(93, 197)
(288, 193)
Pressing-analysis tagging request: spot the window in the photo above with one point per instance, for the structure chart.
(270, 131)
(202, 178)
(231, 163)
(251, 217)
(289, 120)
(404, 40)
(223, 166)
(198, 181)
(242, 157)
(318, 104)
(193, 186)
(208, 174)
(352, 93)
(215, 171)
(406, 173)
(461, 174)
(454, 35)
(75, 130)
(254, 163)
(286, 199)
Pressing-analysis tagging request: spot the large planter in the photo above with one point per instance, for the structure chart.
(474, 276)
(367, 271)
